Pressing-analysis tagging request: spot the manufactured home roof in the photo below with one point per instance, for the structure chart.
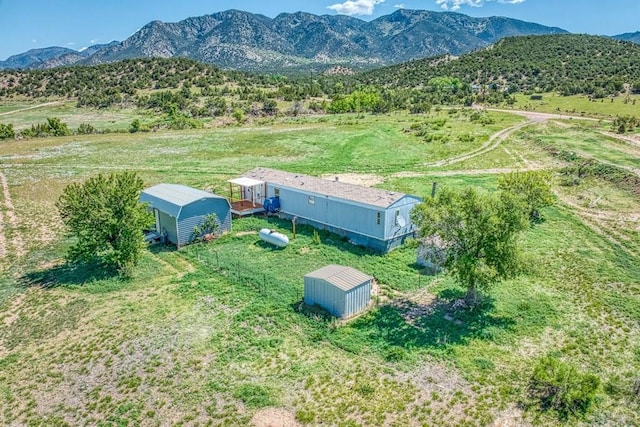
(170, 198)
(342, 190)
(345, 278)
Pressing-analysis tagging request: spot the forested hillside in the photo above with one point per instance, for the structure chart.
(570, 64)
(121, 78)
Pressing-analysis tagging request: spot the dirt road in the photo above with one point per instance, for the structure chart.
(33, 107)
(535, 116)
(9, 219)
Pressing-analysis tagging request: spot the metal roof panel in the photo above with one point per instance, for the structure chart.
(342, 277)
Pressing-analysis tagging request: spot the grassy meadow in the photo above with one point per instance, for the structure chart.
(214, 334)
(581, 105)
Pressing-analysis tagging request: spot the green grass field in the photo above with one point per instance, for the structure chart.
(581, 105)
(214, 334)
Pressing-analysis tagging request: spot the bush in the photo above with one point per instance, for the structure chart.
(254, 395)
(6, 131)
(558, 386)
(53, 127)
(86, 129)
(395, 354)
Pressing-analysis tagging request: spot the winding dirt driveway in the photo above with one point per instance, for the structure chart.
(538, 117)
(33, 107)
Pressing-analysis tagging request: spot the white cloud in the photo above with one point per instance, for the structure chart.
(356, 7)
(94, 41)
(34, 41)
(400, 6)
(456, 4)
(71, 43)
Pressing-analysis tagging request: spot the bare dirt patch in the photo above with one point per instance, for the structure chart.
(33, 107)
(3, 240)
(631, 139)
(12, 220)
(416, 306)
(245, 233)
(12, 313)
(274, 417)
(510, 417)
(494, 142)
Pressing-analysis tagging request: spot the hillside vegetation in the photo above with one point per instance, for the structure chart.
(235, 39)
(566, 63)
(123, 78)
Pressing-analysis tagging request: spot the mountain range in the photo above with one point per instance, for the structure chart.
(241, 40)
(629, 37)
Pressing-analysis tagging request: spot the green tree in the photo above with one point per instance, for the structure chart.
(238, 114)
(6, 131)
(135, 126)
(106, 219)
(533, 186)
(217, 106)
(57, 127)
(478, 232)
(270, 107)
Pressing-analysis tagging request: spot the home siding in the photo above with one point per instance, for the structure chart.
(404, 206)
(336, 215)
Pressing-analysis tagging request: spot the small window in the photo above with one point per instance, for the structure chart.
(276, 192)
(312, 200)
(378, 218)
(397, 217)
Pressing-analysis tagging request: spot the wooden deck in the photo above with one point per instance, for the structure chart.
(245, 207)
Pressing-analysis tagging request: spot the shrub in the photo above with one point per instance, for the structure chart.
(466, 138)
(395, 354)
(560, 387)
(86, 129)
(254, 395)
(6, 131)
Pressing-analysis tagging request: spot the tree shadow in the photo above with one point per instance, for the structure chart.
(268, 246)
(537, 220)
(66, 274)
(446, 320)
(326, 237)
(163, 248)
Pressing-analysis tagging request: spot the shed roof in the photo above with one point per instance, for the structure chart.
(345, 278)
(356, 193)
(170, 198)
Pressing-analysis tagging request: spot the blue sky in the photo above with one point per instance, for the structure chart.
(28, 24)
